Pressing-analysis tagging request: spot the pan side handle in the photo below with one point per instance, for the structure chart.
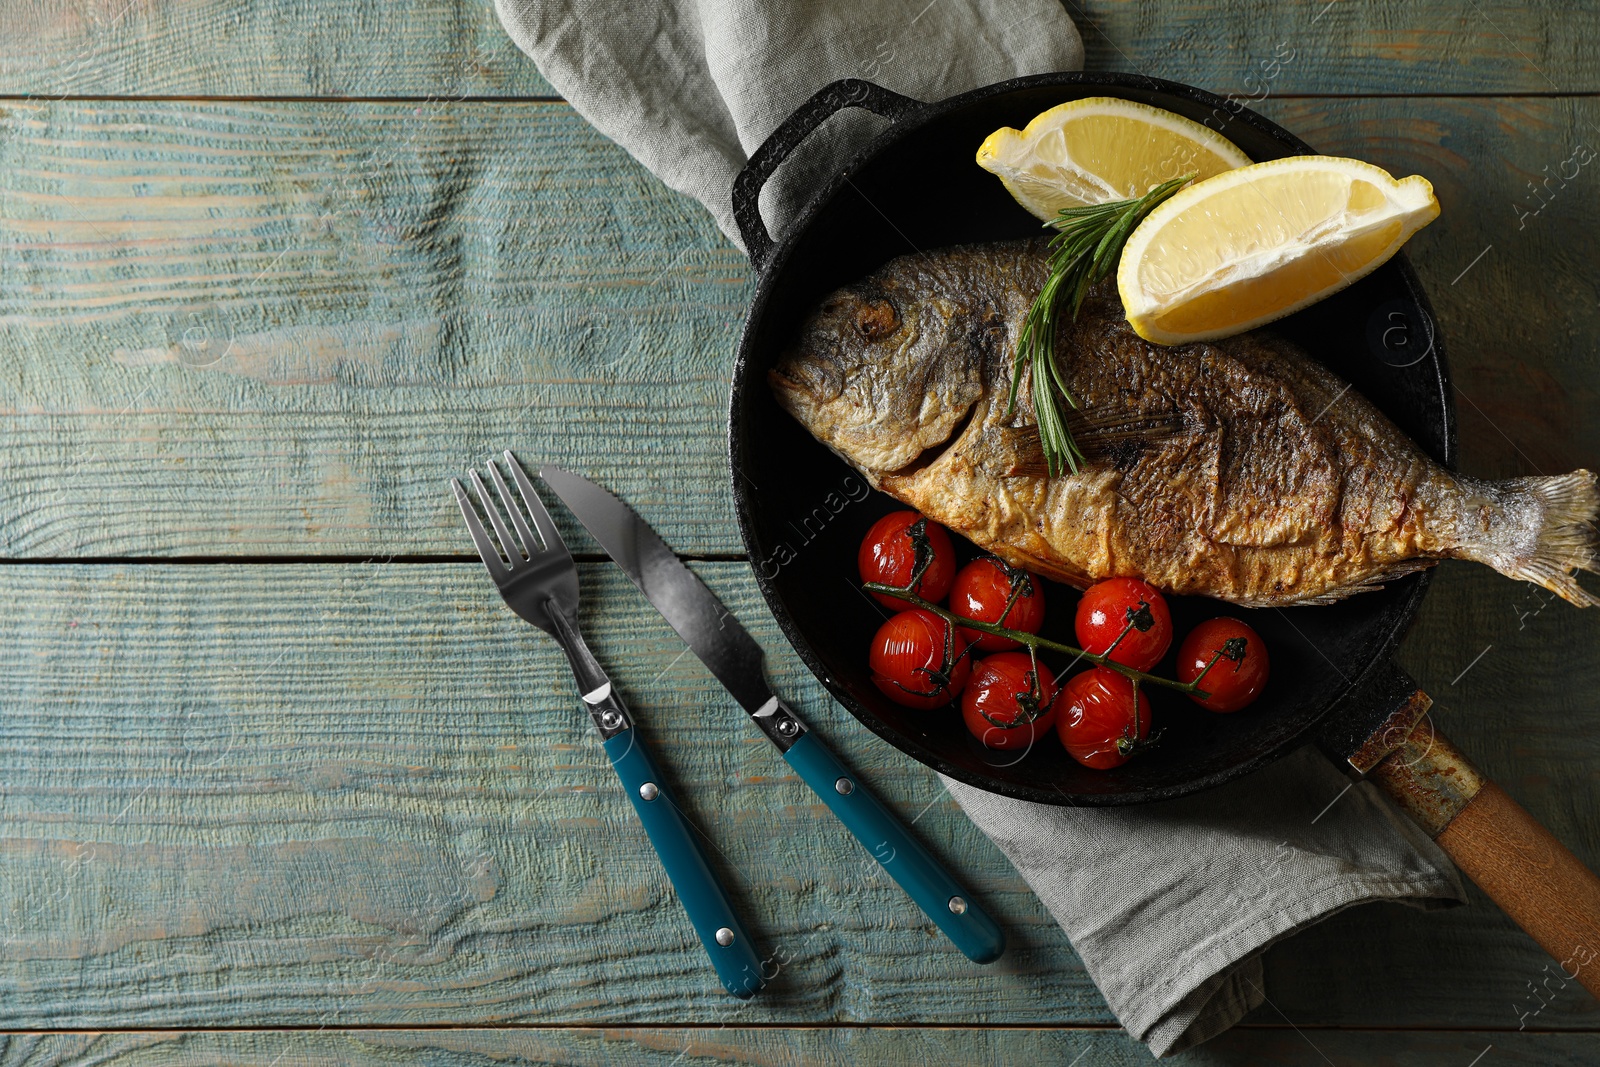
(827, 101)
(1533, 877)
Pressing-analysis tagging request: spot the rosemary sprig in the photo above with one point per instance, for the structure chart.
(1085, 250)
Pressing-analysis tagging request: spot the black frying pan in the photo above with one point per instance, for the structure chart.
(802, 511)
(917, 187)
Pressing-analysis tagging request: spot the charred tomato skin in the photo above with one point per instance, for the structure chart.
(1105, 612)
(918, 661)
(1094, 710)
(1234, 682)
(999, 685)
(981, 591)
(888, 555)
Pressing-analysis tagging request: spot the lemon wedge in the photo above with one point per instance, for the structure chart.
(1100, 149)
(1238, 250)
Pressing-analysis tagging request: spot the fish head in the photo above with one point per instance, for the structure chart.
(882, 373)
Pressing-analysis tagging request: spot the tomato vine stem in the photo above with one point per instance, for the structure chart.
(1034, 642)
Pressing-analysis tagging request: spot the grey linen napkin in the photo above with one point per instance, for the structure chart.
(1169, 905)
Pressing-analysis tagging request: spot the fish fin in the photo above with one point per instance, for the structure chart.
(1541, 530)
(1369, 584)
(1097, 433)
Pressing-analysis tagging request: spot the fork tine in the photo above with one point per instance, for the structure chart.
(530, 496)
(480, 537)
(512, 553)
(533, 544)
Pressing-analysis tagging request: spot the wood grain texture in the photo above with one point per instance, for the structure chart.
(452, 48)
(275, 328)
(802, 1047)
(292, 303)
(305, 795)
(241, 794)
(1258, 50)
(1481, 646)
(1494, 841)
(1534, 878)
(444, 49)
(362, 794)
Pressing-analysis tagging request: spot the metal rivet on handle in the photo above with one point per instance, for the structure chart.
(844, 787)
(724, 937)
(958, 906)
(788, 727)
(649, 791)
(610, 720)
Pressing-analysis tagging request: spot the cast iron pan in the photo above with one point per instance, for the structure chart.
(802, 511)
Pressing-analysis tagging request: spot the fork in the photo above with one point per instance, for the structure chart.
(539, 581)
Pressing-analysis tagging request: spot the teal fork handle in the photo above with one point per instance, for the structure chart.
(727, 942)
(951, 908)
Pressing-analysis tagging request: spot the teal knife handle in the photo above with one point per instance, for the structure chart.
(674, 839)
(938, 894)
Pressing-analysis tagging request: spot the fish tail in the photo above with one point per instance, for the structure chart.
(1541, 530)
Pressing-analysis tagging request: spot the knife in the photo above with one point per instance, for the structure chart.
(733, 656)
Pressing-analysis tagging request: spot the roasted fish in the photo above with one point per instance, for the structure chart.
(1239, 469)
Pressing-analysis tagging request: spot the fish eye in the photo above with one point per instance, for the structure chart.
(876, 319)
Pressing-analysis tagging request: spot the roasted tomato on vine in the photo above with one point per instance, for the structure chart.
(903, 545)
(991, 590)
(917, 659)
(1095, 718)
(1010, 701)
(1127, 617)
(1232, 659)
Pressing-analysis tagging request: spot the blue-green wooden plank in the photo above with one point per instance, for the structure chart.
(454, 48)
(831, 1047)
(282, 325)
(364, 794)
(442, 49)
(275, 328)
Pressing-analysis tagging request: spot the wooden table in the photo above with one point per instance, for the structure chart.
(284, 783)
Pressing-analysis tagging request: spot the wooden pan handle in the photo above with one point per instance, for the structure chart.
(1534, 878)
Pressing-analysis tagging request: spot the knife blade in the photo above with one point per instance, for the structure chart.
(726, 648)
(689, 606)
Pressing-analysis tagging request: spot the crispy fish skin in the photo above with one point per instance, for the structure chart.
(1239, 469)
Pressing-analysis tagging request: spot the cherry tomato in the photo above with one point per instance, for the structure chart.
(1129, 609)
(889, 554)
(918, 660)
(1006, 704)
(1094, 711)
(1241, 663)
(982, 591)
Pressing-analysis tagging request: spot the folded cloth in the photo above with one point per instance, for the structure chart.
(1169, 905)
(691, 89)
